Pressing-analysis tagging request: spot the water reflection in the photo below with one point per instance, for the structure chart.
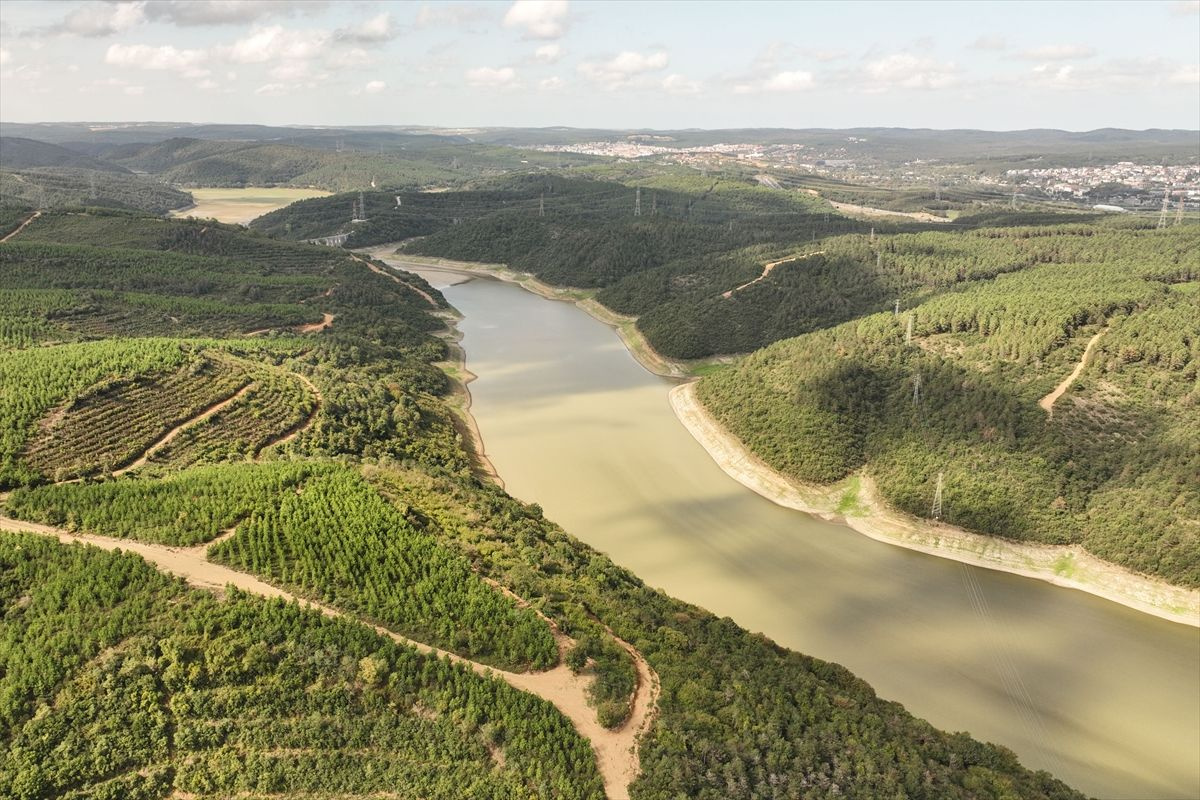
(1104, 697)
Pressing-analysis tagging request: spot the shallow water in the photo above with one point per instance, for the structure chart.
(1102, 696)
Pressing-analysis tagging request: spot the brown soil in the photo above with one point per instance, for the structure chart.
(767, 271)
(1049, 400)
(21, 227)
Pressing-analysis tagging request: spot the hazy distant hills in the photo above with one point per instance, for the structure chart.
(1105, 144)
(20, 153)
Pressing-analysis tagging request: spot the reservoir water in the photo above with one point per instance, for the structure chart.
(1102, 696)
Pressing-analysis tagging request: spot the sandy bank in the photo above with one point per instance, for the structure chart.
(1067, 566)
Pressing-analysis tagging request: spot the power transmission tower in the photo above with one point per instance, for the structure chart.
(937, 193)
(1013, 205)
(872, 234)
(92, 185)
(399, 202)
(879, 260)
(654, 204)
(937, 496)
(908, 331)
(917, 389)
(542, 205)
(1179, 212)
(637, 203)
(896, 313)
(1162, 216)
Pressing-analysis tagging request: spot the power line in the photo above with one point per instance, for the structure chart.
(936, 511)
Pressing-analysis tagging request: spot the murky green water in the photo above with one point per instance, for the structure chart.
(1104, 697)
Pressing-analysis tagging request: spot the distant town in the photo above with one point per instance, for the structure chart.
(1125, 184)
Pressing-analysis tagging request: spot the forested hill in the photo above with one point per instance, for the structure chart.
(284, 403)
(1002, 305)
(971, 381)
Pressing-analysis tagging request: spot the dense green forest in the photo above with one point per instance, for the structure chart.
(118, 682)
(45, 175)
(128, 684)
(1001, 305)
(1113, 468)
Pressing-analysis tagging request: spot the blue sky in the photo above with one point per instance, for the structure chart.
(994, 65)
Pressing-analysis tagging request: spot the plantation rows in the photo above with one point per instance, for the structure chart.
(275, 405)
(184, 508)
(115, 422)
(144, 689)
(37, 379)
(340, 541)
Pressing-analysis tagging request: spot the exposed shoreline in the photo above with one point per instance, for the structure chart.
(1062, 565)
(1065, 566)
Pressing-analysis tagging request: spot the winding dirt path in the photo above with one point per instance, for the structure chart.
(616, 750)
(767, 271)
(21, 227)
(311, 327)
(1049, 400)
(178, 429)
(316, 327)
(378, 271)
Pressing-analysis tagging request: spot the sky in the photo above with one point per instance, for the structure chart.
(991, 65)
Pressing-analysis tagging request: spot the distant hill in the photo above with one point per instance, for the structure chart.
(52, 187)
(1104, 145)
(19, 153)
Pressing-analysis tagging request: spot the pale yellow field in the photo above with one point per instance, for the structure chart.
(243, 205)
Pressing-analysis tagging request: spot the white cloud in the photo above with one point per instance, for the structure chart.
(792, 81)
(623, 69)
(290, 70)
(374, 87)
(227, 12)
(1060, 77)
(541, 19)
(5, 56)
(989, 43)
(906, 71)
(207, 84)
(551, 84)
(678, 84)
(826, 55)
(1185, 76)
(276, 43)
(492, 77)
(102, 19)
(548, 53)
(459, 15)
(351, 57)
(1185, 8)
(788, 81)
(375, 30)
(165, 57)
(1058, 52)
(134, 91)
(272, 89)
(1118, 75)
